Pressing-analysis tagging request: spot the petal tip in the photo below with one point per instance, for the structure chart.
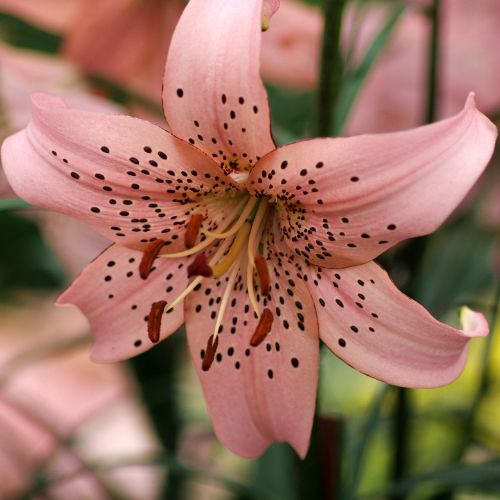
(269, 8)
(473, 323)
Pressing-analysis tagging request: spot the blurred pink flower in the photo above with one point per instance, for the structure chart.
(298, 215)
(22, 73)
(49, 392)
(290, 50)
(52, 15)
(394, 95)
(127, 41)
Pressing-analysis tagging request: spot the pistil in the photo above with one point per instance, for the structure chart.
(236, 249)
(199, 267)
(253, 242)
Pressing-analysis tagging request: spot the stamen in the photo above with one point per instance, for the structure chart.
(192, 230)
(263, 272)
(210, 351)
(227, 293)
(184, 293)
(199, 267)
(263, 328)
(241, 220)
(148, 258)
(154, 320)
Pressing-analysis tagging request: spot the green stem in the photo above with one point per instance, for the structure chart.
(415, 251)
(156, 372)
(433, 62)
(401, 433)
(318, 475)
(331, 67)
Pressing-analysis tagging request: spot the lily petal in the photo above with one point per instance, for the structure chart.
(366, 321)
(344, 201)
(117, 301)
(213, 95)
(258, 395)
(130, 180)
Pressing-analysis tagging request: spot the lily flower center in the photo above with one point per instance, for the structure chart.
(237, 249)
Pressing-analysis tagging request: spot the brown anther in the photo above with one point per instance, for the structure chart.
(263, 328)
(208, 358)
(199, 267)
(154, 320)
(192, 230)
(262, 271)
(148, 258)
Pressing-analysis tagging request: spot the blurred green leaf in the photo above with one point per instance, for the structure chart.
(21, 34)
(455, 266)
(354, 79)
(274, 471)
(291, 113)
(25, 259)
(364, 436)
(13, 204)
(484, 477)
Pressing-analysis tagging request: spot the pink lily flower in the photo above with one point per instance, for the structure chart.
(280, 241)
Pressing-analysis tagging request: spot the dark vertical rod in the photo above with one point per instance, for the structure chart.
(434, 14)
(155, 371)
(402, 411)
(331, 67)
(401, 434)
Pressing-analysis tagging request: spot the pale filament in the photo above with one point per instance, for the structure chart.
(204, 244)
(253, 242)
(218, 254)
(225, 298)
(241, 220)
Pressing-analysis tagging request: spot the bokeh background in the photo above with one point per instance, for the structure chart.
(139, 430)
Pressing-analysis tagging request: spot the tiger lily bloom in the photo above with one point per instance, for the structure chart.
(260, 251)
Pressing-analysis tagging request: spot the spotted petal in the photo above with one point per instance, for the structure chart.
(117, 301)
(344, 201)
(213, 95)
(373, 327)
(127, 178)
(258, 395)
